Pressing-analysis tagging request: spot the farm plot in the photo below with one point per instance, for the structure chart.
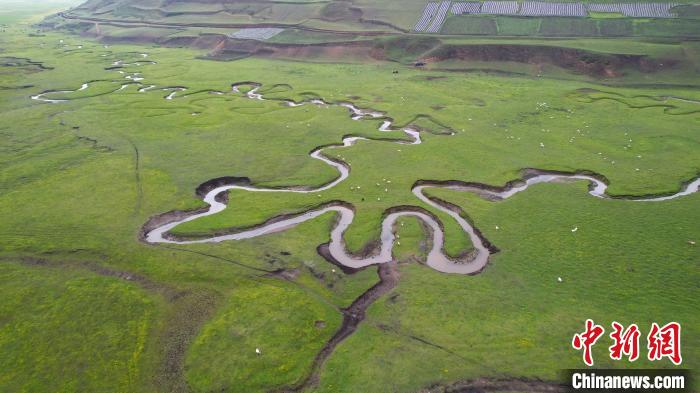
(572, 27)
(537, 8)
(260, 34)
(471, 25)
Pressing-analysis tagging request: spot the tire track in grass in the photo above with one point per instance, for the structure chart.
(137, 174)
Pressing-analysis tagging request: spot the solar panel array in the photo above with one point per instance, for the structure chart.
(500, 7)
(428, 12)
(647, 10)
(538, 8)
(440, 17)
(471, 7)
(604, 7)
(636, 10)
(437, 12)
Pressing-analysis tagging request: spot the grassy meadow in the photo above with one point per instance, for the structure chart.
(89, 307)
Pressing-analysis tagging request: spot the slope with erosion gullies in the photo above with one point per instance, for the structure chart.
(438, 54)
(572, 59)
(435, 52)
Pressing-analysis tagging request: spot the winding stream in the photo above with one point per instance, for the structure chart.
(157, 229)
(436, 259)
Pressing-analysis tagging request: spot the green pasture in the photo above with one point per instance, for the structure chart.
(89, 307)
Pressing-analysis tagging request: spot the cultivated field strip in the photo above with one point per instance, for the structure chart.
(436, 25)
(428, 12)
(260, 34)
(500, 7)
(537, 8)
(472, 7)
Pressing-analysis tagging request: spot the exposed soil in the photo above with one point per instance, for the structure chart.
(585, 62)
(165, 218)
(204, 188)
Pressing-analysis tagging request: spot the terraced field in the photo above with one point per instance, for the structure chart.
(326, 211)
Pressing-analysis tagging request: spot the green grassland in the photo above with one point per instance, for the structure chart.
(105, 312)
(40, 333)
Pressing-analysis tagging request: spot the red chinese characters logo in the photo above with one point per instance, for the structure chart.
(626, 342)
(665, 342)
(662, 342)
(587, 339)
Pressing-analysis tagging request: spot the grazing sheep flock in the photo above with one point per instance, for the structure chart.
(434, 13)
